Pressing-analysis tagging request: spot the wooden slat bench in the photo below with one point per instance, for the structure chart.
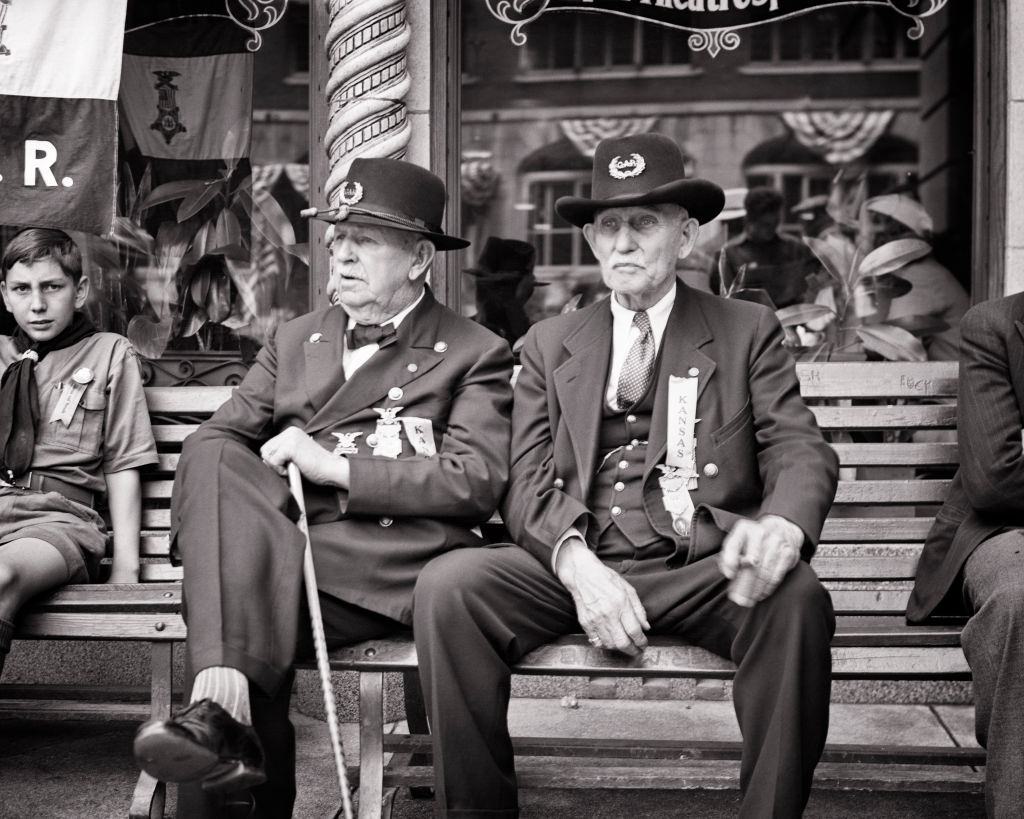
(867, 562)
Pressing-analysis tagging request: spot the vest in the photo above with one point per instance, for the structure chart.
(625, 531)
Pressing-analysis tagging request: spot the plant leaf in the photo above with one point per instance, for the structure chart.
(270, 220)
(892, 343)
(834, 253)
(218, 298)
(802, 313)
(892, 256)
(169, 191)
(141, 195)
(199, 199)
(149, 337)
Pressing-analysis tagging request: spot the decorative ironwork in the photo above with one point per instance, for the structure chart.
(368, 81)
(256, 16)
(193, 369)
(713, 37)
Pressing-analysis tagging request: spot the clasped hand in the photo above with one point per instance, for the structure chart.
(316, 464)
(607, 606)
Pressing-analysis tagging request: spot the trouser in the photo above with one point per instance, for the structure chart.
(245, 606)
(993, 641)
(477, 611)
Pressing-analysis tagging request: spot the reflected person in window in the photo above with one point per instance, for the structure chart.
(666, 477)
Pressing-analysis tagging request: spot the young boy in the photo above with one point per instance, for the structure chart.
(73, 424)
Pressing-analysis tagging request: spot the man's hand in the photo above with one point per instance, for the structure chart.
(316, 464)
(607, 607)
(757, 554)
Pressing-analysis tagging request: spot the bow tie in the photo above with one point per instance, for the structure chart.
(359, 335)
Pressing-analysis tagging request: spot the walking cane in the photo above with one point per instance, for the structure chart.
(320, 642)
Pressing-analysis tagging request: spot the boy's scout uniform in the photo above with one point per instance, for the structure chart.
(92, 420)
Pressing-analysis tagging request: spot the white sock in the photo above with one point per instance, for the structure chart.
(228, 687)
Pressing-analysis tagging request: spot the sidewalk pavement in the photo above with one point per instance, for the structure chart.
(84, 770)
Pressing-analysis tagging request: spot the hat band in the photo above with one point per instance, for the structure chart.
(386, 216)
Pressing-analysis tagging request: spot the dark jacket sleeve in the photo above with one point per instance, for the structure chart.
(536, 512)
(468, 476)
(989, 430)
(248, 415)
(799, 469)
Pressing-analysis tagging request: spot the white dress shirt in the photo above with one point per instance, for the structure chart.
(352, 360)
(623, 336)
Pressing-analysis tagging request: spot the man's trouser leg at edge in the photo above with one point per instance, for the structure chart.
(993, 642)
(242, 554)
(478, 610)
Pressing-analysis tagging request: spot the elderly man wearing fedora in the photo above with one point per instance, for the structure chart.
(666, 477)
(396, 411)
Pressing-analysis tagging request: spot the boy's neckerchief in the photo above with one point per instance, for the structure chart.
(19, 401)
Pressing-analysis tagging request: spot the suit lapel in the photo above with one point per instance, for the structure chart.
(580, 386)
(324, 374)
(387, 368)
(687, 330)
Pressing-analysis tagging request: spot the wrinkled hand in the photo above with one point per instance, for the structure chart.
(757, 554)
(316, 464)
(607, 607)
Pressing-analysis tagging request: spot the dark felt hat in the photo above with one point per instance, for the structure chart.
(395, 194)
(505, 260)
(643, 169)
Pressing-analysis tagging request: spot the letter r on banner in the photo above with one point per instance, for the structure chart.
(40, 155)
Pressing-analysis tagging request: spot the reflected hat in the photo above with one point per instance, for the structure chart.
(904, 210)
(392, 193)
(504, 260)
(643, 169)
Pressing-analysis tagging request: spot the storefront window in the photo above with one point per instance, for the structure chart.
(830, 109)
(209, 253)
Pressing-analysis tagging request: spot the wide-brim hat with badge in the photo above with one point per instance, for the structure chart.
(643, 169)
(395, 194)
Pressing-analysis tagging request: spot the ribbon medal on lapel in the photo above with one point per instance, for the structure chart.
(420, 433)
(346, 443)
(387, 436)
(71, 393)
(679, 472)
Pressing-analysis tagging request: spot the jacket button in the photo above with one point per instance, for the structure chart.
(630, 419)
(559, 483)
(386, 522)
(619, 486)
(372, 440)
(710, 470)
(623, 464)
(616, 510)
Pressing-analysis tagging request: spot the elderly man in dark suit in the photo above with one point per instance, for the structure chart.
(666, 476)
(972, 559)
(395, 410)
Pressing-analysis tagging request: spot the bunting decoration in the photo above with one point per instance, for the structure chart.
(586, 133)
(60, 68)
(840, 137)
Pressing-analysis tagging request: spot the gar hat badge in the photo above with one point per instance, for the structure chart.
(620, 168)
(167, 120)
(4, 50)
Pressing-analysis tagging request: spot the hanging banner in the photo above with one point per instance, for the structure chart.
(715, 25)
(60, 67)
(186, 90)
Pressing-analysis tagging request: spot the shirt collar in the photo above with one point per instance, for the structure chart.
(658, 312)
(400, 316)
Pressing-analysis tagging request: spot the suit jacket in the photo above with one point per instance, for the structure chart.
(987, 494)
(754, 426)
(370, 542)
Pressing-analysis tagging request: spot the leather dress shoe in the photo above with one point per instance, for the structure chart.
(201, 743)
